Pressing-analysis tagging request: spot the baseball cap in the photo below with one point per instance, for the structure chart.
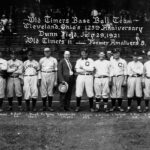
(63, 87)
(46, 49)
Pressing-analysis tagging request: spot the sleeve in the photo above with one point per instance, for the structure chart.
(125, 68)
(77, 67)
(60, 71)
(20, 68)
(9, 69)
(4, 66)
(55, 65)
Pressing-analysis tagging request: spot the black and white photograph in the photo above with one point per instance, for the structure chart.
(75, 75)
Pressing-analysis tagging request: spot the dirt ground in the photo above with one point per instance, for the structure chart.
(74, 131)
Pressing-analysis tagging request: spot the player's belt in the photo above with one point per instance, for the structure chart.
(85, 74)
(48, 71)
(117, 75)
(30, 75)
(102, 77)
(14, 76)
(136, 75)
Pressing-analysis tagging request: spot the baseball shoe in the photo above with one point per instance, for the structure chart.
(120, 109)
(10, 108)
(139, 110)
(77, 109)
(50, 109)
(113, 109)
(146, 109)
(92, 110)
(128, 109)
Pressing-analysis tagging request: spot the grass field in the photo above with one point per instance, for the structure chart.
(74, 131)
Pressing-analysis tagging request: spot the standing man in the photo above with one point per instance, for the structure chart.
(14, 70)
(118, 79)
(101, 81)
(65, 74)
(3, 70)
(84, 68)
(134, 83)
(48, 66)
(146, 82)
(31, 73)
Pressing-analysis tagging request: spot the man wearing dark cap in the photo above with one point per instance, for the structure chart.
(84, 68)
(118, 73)
(15, 69)
(31, 77)
(134, 83)
(3, 69)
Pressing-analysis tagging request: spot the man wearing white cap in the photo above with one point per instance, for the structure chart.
(48, 66)
(65, 74)
(101, 81)
(146, 82)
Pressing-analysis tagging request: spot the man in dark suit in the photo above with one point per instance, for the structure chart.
(65, 74)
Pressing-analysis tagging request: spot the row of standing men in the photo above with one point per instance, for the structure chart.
(102, 79)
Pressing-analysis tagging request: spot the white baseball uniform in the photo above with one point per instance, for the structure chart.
(118, 69)
(134, 83)
(31, 76)
(146, 72)
(102, 77)
(84, 68)
(15, 70)
(48, 68)
(3, 67)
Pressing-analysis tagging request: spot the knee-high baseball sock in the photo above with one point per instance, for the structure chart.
(91, 102)
(19, 101)
(139, 101)
(10, 99)
(28, 104)
(33, 103)
(97, 103)
(44, 99)
(1, 102)
(78, 100)
(113, 101)
(119, 102)
(146, 103)
(105, 100)
(129, 102)
(50, 99)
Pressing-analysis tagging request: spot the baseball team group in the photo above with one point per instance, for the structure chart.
(102, 79)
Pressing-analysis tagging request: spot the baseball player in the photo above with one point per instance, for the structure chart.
(109, 55)
(14, 70)
(118, 73)
(134, 82)
(101, 81)
(146, 82)
(84, 68)
(48, 66)
(31, 73)
(3, 70)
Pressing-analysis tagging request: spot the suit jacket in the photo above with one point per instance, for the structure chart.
(63, 70)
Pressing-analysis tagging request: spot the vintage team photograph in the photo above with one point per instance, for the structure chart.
(75, 75)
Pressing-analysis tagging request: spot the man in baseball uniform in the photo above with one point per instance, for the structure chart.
(118, 75)
(134, 82)
(146, 82)
(101, 81)
(31, 73)
(3, 70)
(14, 70)
(84, 68)
(48, 66)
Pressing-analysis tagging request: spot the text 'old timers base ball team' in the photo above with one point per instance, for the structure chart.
(106, 78)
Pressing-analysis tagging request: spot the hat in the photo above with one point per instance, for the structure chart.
(116, 50)
(148, 53)
(46, 49)
(63, 87)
